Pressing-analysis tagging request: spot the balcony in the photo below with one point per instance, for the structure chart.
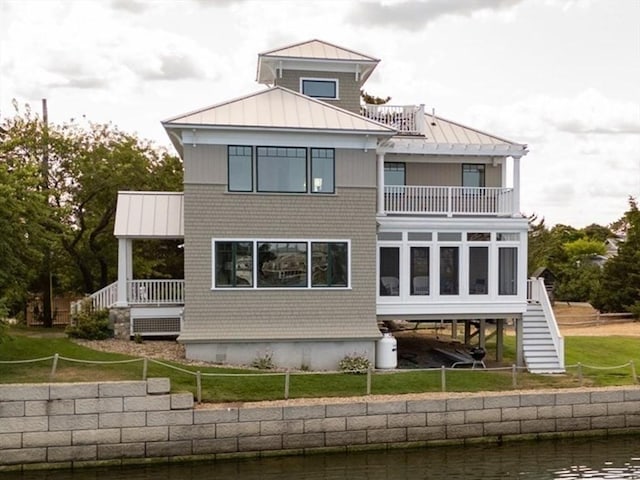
(406, 119)
(449, 201)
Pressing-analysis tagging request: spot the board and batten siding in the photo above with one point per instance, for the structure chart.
(207, 164)
(257, 314)
(348, 86)
(447, 174)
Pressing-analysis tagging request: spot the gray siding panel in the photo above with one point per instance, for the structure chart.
(355, 168)
(447, 174)
(279, 314)
(349, 88)
(205, 164)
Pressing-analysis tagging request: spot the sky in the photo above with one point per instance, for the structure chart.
(562, 76)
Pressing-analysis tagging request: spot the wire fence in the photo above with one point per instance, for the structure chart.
(287, 375)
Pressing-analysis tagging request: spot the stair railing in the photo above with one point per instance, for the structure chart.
(537, 293)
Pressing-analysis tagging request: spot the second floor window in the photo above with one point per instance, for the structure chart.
(281, 169)
(394, 173)
(473, 175)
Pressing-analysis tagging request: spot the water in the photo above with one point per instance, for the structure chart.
(593, 458)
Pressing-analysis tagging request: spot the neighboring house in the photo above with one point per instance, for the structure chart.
(308, 218)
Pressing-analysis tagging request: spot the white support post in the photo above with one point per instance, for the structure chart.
(124, 247)
(380, 165)
(516, 186)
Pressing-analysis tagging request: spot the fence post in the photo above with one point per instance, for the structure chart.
(199, 387)
(369, 380)
(633, 371)
(286, 385)
(443, 378)
(53, 367)
(145, 366)
(580, 373)
(514, 375)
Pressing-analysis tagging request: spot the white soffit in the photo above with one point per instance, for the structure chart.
(279, 108)
(149, 215)
(444, 137)
(314, 55)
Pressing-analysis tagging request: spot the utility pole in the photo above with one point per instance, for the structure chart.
(47, 283)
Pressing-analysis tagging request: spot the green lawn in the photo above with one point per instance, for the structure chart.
(589, 351)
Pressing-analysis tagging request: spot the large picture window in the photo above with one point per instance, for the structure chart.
(240, 169)
(329, 264)
(233, 264)
(281, 264)
(319, 88)
(282, 169)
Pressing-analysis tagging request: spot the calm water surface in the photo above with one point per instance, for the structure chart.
(602, 458)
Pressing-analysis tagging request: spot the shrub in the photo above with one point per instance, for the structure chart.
(354, 363)
(263, 362)
(90, 325)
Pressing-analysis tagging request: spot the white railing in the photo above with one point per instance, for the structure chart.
(104, 298)
(155, 292)
(406, 119)
(408, 199)
(537, 293)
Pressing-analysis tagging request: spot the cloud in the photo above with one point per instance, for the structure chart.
(415, 14)
(130, 6)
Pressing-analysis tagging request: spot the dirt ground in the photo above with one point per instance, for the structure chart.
(415, 346)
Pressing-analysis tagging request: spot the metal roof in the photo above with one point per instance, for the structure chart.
(446, 137)
(319, 50)
(314, 55)
(149, 215)
(279, 108)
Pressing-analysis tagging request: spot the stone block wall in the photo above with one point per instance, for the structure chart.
(72, 425)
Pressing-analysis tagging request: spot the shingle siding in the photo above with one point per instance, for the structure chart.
(349, 88)
(279, 314)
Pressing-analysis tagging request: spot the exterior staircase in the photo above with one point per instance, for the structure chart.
(542, 344)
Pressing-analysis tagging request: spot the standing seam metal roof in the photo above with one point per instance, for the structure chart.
(278, 107)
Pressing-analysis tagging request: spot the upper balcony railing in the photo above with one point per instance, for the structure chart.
(449, 201)
(407, 119)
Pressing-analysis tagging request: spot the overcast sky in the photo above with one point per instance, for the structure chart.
(562, 76)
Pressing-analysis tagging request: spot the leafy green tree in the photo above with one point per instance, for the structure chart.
(62, 222)
(620, 286)
(583, 249)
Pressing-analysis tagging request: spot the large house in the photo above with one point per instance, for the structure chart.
(308, 218)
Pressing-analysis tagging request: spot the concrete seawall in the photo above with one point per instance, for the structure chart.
(81, 424)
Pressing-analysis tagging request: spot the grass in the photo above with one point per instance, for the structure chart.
(589, 351)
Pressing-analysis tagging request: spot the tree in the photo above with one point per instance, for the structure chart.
(68, 216)
(372, 99)
(620, 286)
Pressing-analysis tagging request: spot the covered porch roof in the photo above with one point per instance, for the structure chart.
(149, 215)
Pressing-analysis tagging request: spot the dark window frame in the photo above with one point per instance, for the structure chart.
(388, 167)
(229, 147)
(310, 170)
(234, 272)
(330, 254)
(333, 81)
(479, 167)
(306, 169)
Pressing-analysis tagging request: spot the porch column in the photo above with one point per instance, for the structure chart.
(380, 165)
(124, 261)
(516, 186)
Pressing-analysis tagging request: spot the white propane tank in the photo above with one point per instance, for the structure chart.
(387, 352)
